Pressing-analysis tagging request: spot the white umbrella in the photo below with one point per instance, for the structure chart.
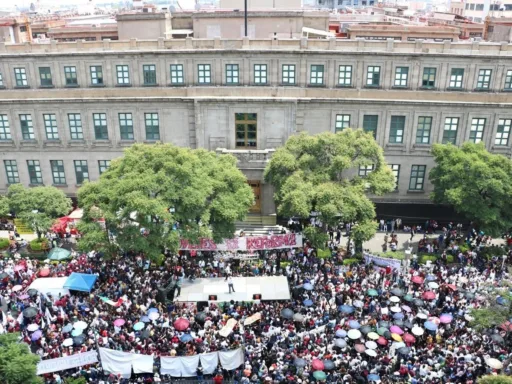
(371, 345)
(394, 299)
(433, 285)
(80, 325)
(354, 334)
(422, 316)
(494, 363)
(358, 304)
(417, 331)
(370, 352)
(33, 327)
(154, 315)
(68, 342)
(396, 309)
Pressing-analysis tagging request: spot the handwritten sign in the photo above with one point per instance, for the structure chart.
(251, 243)
(382, 261)
(63, 363)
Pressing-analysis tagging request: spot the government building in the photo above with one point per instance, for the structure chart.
(68, 108)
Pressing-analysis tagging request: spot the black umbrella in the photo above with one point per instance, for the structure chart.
(30, 312)
(419, 302)
(404, 350)
(398, 323)
(145, 334)
(328, 365)
(384, 324)
(387, 335)
(497, 338)
(78, 340)
(397, 292)
(365, 329)
(408, 324)
(32, 292)
(201, 317)
(287, 313)
(300, 363)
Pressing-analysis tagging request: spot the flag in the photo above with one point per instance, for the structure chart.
(108, 301)
(48, 316)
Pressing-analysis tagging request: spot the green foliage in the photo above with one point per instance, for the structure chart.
(206, 193)
(4, 243)
(464, 248)
(316, 236)
(476, 183)
(316, 173)
(4, 206)
(75, 380)
(17, 364)
(450, 259)
(486, 318)
(38, 207)
(350, 261)
(422, 259)
(39, 244)
(493, 250)
(495, 379)
(324, 253)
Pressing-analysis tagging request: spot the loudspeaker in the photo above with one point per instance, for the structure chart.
(212, 297)
(201, 306)
(256, 296)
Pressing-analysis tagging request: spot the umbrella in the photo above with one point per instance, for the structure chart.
(119, 322)
(421, 315)
(431, 278)
(394, 299)
(32, 292)
(430, 326)
(138, 326)
(387, 335)
(419, 302)
(287, 313)
(404, 351)
(434, 320)
(200, 317)
(398, 322)
(340, 343)
(417, 279)
(145, 319)
(365, 329)
(397, 292)
(67, 342)
(371, 345)
(79, 340)
(494, 363)
(68, 328)
(396, 337)
(371, 352)
(359, 348)
(381, 330)
(453, 287)
(354, 334)
(373, 377)
(384, 324)
(406, 308)
(372, 292)
(33, 327)
(186, 338)
(346, 309)
(319, 375)
(17, 288)
(408, 338)
(153, 309)
(471, 295)
(3, 275)
(417, 331)
(408, 297)
(373, 335)
(299, 318)
(382, 341)
(77, 332)
(308, 286)
(407, 324)
(300, 363)
(358, 304)
(328, 365)
(497, 338)
(145, 334)
(354, 324)
(317, 365)
(59, 254)
(44, 272)
(398, 316)
(428, 295)
(308, 302)
(18, 268)
(80, 325)
(397, 330)
(446, 318)
(396, 309)
(341, 333)
(24, 297)
(500, 300)
(30, 312)
(36, 335)
(181, 324)
(398, 344)
(433, 285)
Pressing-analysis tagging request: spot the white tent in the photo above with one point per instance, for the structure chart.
(52, 285)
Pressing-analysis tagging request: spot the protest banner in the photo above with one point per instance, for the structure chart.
(250, 243)
(67, 362)
(382, 261)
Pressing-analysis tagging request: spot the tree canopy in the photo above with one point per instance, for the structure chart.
(17, 364)
(495, 379)
(476, 183)
(38, 207)
(320, 173)
(153, 187)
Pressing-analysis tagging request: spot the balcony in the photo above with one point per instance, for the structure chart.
(249, 158)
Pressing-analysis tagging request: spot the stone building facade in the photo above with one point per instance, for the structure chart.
(67, 109)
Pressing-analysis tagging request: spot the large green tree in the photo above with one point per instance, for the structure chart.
(320, 173)
(151, 188)
(38, 207)
(476, 183)
(17, 364)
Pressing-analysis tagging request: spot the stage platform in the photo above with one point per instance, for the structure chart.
(270, 288)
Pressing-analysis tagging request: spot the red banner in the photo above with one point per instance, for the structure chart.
(289, 240)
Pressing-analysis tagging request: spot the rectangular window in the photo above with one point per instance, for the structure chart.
(11, 169)
(477, 130)
(316, 76)
(34, 172)
(508, 80)
(81, 171)
(345, 75)
(177, 74)
(429, 77)
(149, 74)
(58, 174)
(395, 168)
(342, 122)
(397, 127)
(71, 76)
(75, 126)
(451, 126)
(260, 74)
(370, 123)
(45, 74)
(288, 74)
(204, 74)
(365, 170)
(123, 74)
(100, 126)
(50, 126)
(21, 77)
(503, 132)
(27, 128)
(372, 76)
(232, 74)
(246, 130)
(484, 79)
(5, 129)
(417, 177)
(152, 126)
(126, 126)
(401, 76)
(96, 75)
(456, 78)
(1, 80)
(423, 130)
(103, 165)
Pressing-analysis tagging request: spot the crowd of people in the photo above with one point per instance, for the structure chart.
(356, 323)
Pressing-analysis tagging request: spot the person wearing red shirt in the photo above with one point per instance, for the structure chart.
(218, 379)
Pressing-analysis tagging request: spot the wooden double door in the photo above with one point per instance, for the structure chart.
(256, 190)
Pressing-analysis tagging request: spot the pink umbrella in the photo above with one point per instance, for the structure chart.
(17, 288)
(428, 295)
(406, 308)
(36, 335)
(417, 279)
(435, 320)
(408, 338)
(396, 329)
(181, 324)
(382, 341)
(317, 365)
(446, 318)
(18, 268)
(44, 272)
(24, 297)
(359, 348)
(119, 322)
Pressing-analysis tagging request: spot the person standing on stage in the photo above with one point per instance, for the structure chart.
(230, 283)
